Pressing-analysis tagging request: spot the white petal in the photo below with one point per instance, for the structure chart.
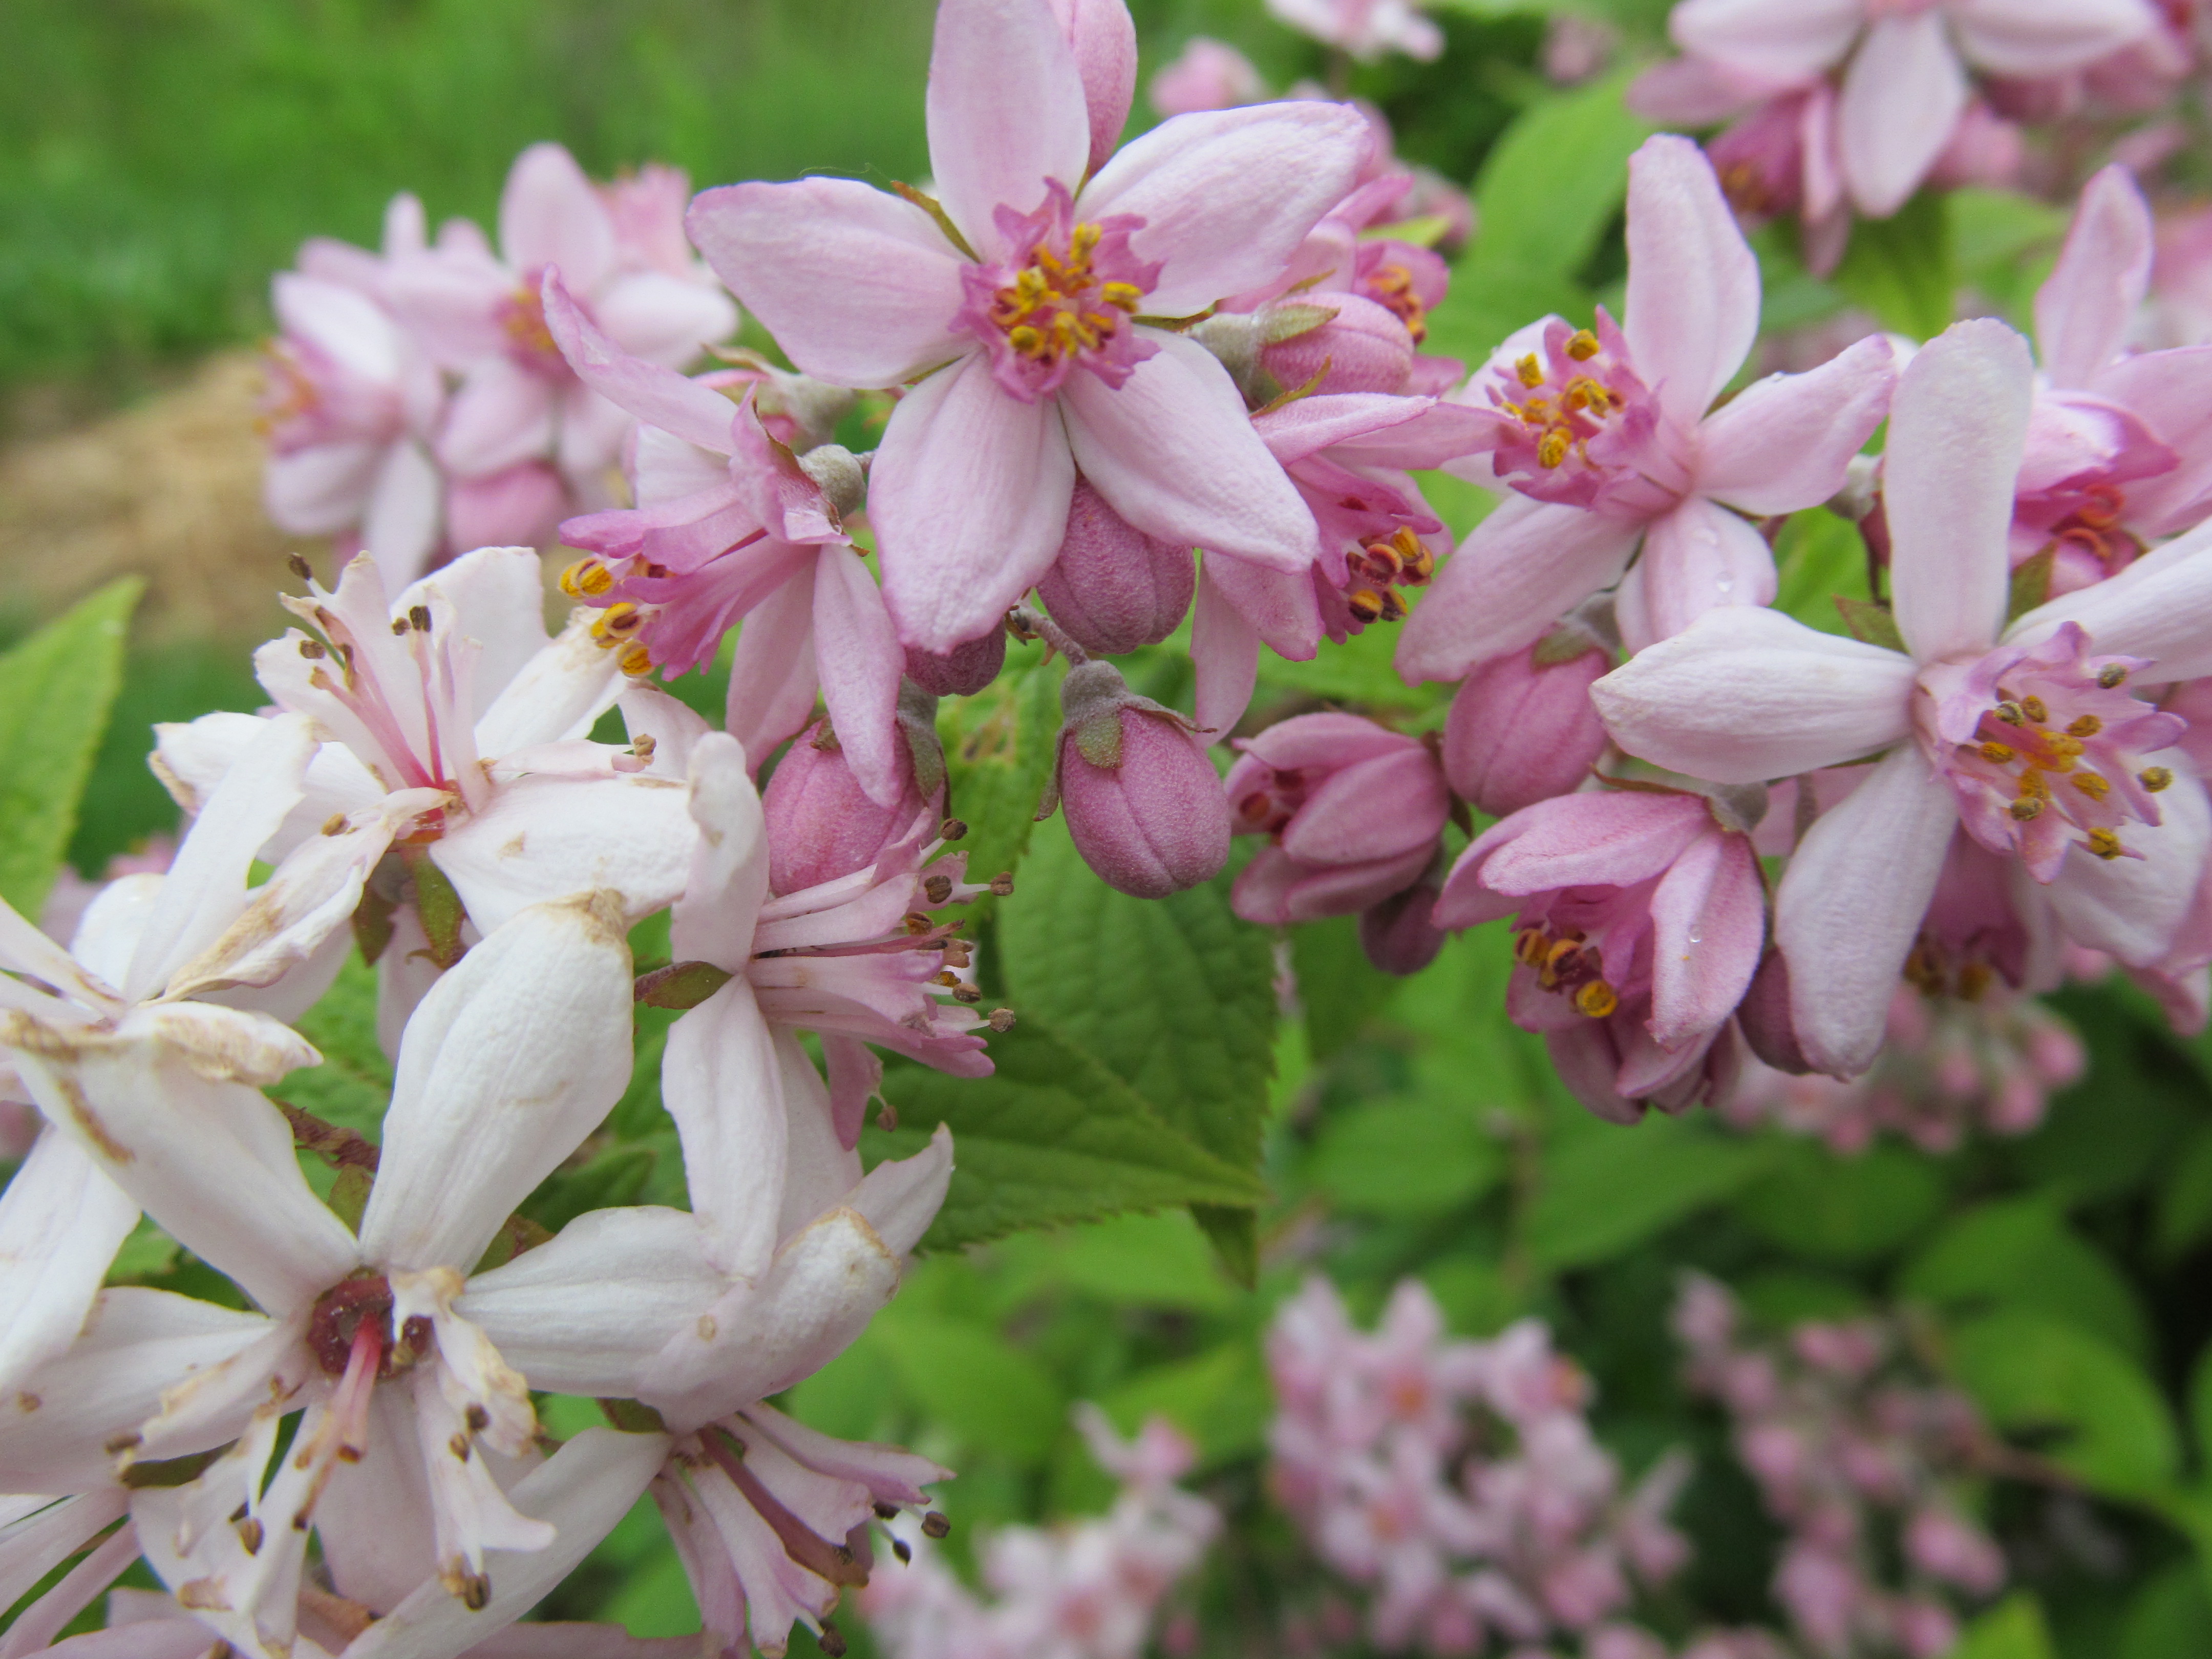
(723, 1083)
(547, 837)
(2159, 607)
(715, 919)
(61, 1222)
(557, 693)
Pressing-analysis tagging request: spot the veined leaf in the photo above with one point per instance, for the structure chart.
(2033, 1373)
(998, 754)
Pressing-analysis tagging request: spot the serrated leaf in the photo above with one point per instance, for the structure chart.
(1870, 623)
(2034, 1375)
(1051, 1137)
(56, 690)
(1902, 268)
(1826, 1208)
(998, 754)
(1175, 996)
(1604, 1193)
(2019, 1252)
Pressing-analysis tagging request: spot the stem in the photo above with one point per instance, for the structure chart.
(1029, 623)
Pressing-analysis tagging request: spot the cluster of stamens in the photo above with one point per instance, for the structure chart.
(1566, 963)
(620, 626)
(1383, 565)
(1563, 412)
(1059, 307)
(522, 319)
(1391, 287)
(1930, 970)
(2048, 767)
(2094, 528)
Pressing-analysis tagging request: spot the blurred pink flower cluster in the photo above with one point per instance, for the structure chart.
(1456, 1485)
(1092, 1588)
(1847, 1440)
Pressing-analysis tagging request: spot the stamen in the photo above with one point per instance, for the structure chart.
(2105, 844)
(2155, 778)
(2111, 675)
(1596, 999)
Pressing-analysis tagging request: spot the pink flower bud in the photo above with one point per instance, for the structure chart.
(1113, 587)
(520, 506)
(1523, 728)
(821, 824)
(1397, 933)
(1943, 1545)
(1143, 803)
(1208, 76)
(1362, 347)
(1764, 1018)
(961, 671)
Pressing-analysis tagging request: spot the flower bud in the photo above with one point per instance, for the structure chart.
(821, 824)
(1359, 346)
(1523, 728)
(1143, 803)
(961, 671)
(1765, 1021)
(1397, 933)
(1113, 588)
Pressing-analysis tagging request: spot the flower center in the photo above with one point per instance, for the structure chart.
(1064, 300)
(521, 317)
(1383, 565)
(1391, 287)
(1579, 428)
(1566, 964)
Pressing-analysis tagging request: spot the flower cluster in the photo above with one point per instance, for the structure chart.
(1844, 1438)
(1090, 1590)
(1455, 1483)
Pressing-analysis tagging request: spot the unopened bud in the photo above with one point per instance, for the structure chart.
(1143, 803)
(961, 671)
(821, 824)
(839, 477)
(1523, 730)
(1397, 935)
(1359, 347)
(1764, 1018)
(1113, 588)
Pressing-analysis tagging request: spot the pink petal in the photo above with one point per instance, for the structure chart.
(2159, 607)
(1375, 809)
(1173, 452)
(2083, 312)
(2031, 39)
(1699, 92)
(1851, 904)
(772, 676)
(1693, 282)
(2132, 908)
(1326, 742)
(1597, 840)
(969, 494)
(665, 318)
(1709, 925)
(1227, 195)
(321, 489)
(347, 324)
(1525, 566)
(1225, 658)
(716, 918)
(859, 660)
(1903, 96)
(659, 397)
(859, 287)
(1782, 444)
(2167, 391)
(1743, 695)
(501, 416)
(1957, 429)
(549, 215)
(1005, 110)
(1699, 556)
(1104, 37)
(1787, 39)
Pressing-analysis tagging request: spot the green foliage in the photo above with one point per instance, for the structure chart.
(1403, 1157)
(353, 1084)
(2019, 1253)
(2107, 1425)
(998, 750)
(1824, 1208)
(1604, 1193)
(1902, 269)
(55, 690)
(2013, 1630)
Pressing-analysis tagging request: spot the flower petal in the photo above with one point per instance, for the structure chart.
(549, 215)
(558, 695)
(723, 1084)
(405, 507)
(1693, 282)
(659, 397)
(1227, 195)
(1173, 452)
(859, 660)
(2083, 312)
(859, 287)
(1851, 904)
(1957, 429)
(1697, 558)
(1005, 111)
(61, 1222)
(1744, 695)
(1709, 925)
(500, 415)
(513, 1058)
(969, 494)
(2159, 607)
(2033, 39)
(1225, 657)
(1523, 567)
(715, 919)
(2132, 908)
(1903, 96)
(1783, 443)
(542, 838)
(1786, 39)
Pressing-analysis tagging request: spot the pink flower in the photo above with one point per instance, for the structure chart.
(1015, 306)
(1521, 727)
(2023, 733)
(520, 411)
(1144, 805)
(1205, 75)
(1366, 28)
(1352, 811)
(1906, 83)
(1607, 434)
(1640, 919)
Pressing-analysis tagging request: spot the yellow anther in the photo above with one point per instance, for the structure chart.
(1530, 371)
(2094, 786)
(1596, 999)
(1997, 754)
(1582, 346)
(1553, 449)
(2110, 675)
(2155, 778)
(587, 579)
(2026, 809)
(615, 622)
(1973, 980)
(2087, 727)
(2034, 710)
(2063, 744)
(1528, 946)
(1123, 296)
(637, 660)
(2009, 713)
(2105, 844)
(1026, 340)
(2033, 782)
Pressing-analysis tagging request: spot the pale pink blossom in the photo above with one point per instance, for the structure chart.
(1905, 66)
(1011, 306)
(2025, 733)
(1366, 28)
(1606, 435)
(1207, 74)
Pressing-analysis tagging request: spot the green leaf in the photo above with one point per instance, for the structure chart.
(998, 753)
(1902, 269)
(353, 1086)
(1362, 670)
(1176, 996)
(2019, 1252)
(2184, 1197)
(2031, 584)
(972, 1380)
(2005, 242)
(1870, 622)
(1220, 1399)
(1823, 562)
(56, 688)
(2013, 1630)
(1551, 184)
(1145, 1260)
(1842, 1209)
(1051, 1137)
(1606, 1192)
(147, 1253)
(1403, 1157)
(1489, 300)
(2032, 1374)
(2170, 1617)
(2200, 1404)
(1338, 987)
(614, 1177)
